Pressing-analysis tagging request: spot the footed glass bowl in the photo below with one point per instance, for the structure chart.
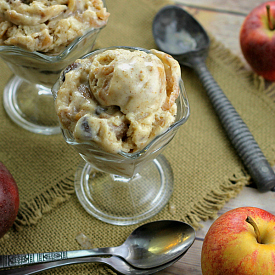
(27, 96)
(126, 188)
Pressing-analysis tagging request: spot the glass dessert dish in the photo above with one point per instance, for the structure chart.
(27, 96)
(125, 188)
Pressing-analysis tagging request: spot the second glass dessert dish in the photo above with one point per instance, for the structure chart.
(38, 40)
(119, 108)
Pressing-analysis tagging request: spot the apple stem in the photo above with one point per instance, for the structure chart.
(270, 24)
(256, 229)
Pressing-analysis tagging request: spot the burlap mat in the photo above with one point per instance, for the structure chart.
(206, 168)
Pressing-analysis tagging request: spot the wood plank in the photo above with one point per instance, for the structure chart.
(233, 6)
(188, 264)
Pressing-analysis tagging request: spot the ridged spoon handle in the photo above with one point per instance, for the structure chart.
(33, 258)
(237, 131)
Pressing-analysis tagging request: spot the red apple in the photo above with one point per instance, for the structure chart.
(257, 40)
(240, 242)
(9, 200)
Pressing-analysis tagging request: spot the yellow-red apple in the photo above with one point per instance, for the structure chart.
(240, 242)
(257, 40)
(9, 200)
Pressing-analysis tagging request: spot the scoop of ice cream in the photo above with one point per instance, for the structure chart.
(48, 25)
(134, 81)
(119, 99)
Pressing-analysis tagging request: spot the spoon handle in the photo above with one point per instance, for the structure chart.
(237, 131)
(34, 258)
(33, 269)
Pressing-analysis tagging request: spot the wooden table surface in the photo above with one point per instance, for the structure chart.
(223, 19)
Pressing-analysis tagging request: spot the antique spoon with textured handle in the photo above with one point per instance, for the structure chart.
(114, 262)
(177, 33)
(148, 246)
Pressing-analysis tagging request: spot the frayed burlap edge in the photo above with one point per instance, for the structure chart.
(209, 206)
(31, 212)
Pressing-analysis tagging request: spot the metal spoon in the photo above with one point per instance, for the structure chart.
(177, 33)
(114, 262)
(150, 245)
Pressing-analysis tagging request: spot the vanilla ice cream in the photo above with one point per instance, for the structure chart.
(48, 25)
(119, 99)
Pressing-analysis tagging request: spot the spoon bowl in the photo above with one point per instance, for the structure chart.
(148, 246)
(177, 33)
(157, 243)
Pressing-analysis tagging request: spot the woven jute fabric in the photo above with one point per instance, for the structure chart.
(207, 170)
